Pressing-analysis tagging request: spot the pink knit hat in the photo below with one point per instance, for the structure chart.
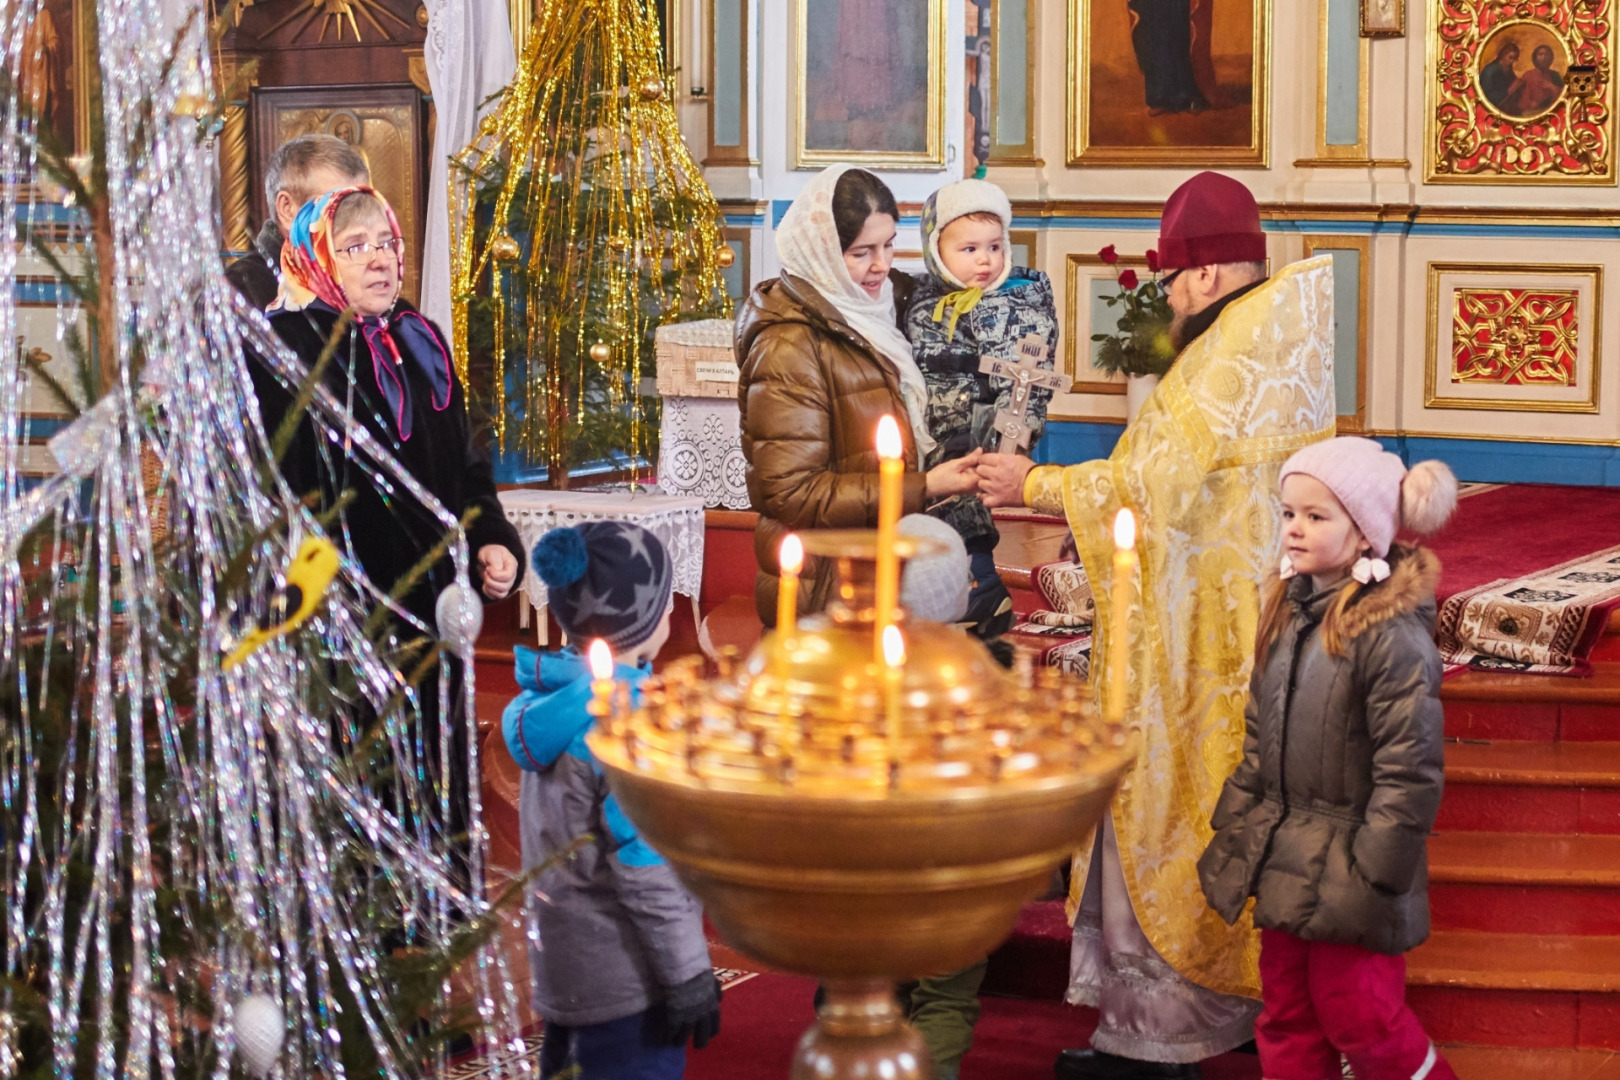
(1379, 493)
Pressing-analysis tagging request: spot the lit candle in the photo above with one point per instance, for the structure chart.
(1119, 634)
(790, 557)
(892, 469)
(600, 659)
(894, 660)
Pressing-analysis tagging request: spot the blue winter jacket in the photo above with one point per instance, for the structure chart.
(616, 928)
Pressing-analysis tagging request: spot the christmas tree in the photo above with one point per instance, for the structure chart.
(223, 844)
(581, 224)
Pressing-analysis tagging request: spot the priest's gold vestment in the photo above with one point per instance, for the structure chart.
(1199, 469)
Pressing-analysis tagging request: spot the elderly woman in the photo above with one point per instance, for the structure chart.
(822, 360)
(393, 372)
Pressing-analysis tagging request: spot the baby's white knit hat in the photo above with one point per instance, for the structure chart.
(958, 200)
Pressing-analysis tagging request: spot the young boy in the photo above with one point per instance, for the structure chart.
(974, 304)
(620, 967)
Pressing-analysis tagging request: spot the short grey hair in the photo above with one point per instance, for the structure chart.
(289, 167)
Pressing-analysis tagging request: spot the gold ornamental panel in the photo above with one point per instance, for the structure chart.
(1519, 337)
(1521, 92)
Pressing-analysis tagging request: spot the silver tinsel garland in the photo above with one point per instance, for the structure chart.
(159, 799)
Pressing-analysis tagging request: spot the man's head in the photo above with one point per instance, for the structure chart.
(308, 166)
(1210, 244)
(1542, 57)
(1508, 54)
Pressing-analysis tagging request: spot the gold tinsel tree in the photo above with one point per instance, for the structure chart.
(581, 224)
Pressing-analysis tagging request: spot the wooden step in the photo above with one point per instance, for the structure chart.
(1531, 787)
(1507, 1063)
(1489, 881)
(1528, 961)
(1483, 858)
(1518, 990)
(1534, 764)
(1485, 705)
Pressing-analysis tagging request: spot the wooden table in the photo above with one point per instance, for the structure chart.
(1025, 544)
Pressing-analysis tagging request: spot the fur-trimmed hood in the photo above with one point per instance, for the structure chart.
(1414, 574)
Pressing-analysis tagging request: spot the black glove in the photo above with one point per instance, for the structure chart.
(692, 1010)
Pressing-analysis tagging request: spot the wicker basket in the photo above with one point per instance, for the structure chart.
(695, 359)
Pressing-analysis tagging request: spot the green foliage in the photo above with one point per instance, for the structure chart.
(1142, 345)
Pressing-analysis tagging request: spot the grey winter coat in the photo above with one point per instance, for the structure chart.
(1325, 822)
(617, 930)
(962, 400)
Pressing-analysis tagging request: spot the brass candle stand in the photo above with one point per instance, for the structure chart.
(827, 837)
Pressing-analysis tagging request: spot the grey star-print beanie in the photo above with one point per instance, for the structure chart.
(605, 579)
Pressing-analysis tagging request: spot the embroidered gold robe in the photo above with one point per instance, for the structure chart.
(1199, 469)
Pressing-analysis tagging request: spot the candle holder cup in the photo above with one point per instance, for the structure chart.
(828, 837)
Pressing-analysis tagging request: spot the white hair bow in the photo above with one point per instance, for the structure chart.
(1367, 570)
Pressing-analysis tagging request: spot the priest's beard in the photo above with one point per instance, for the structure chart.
(1178, 329)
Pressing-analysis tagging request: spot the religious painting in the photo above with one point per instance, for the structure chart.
(49, 78)
(870, 84)
(1089, 281)
(1169, 82)
(385, 123)
(1514, 337)
(1383, 18)
(1520, 95)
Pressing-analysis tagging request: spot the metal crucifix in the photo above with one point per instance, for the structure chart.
(1026, 374)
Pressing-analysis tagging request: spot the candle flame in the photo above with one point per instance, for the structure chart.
(790, 557)
(601, 660)
(888, 438)
(1125, 530)
(894, 646)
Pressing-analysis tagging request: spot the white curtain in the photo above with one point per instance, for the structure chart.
(469, 57)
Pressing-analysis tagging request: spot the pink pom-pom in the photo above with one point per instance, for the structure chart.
(1428, 496)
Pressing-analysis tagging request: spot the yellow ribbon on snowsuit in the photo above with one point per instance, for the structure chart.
(960, 302)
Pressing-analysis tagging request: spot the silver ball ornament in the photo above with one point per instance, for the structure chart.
(447, 614)
(261, 1029)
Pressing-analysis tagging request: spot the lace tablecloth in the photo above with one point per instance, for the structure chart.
(677, 521)
(700, 452)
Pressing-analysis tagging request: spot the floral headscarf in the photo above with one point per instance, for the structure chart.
(310, 278)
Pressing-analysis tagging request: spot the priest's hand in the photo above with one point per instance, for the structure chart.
(499, 569)
(959, 477)
(1001, 479)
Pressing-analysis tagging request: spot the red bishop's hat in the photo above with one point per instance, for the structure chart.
(1210, 219)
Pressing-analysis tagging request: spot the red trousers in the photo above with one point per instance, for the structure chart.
(1320, 1000)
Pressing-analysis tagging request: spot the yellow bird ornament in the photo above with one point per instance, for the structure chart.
(308, 576)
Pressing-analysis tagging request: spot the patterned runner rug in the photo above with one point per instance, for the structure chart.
(1543, 623)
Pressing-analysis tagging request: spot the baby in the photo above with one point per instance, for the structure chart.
(974, 304)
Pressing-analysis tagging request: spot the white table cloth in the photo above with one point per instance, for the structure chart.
(700, 452)
(677, 521)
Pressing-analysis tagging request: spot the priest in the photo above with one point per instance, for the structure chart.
(1252, 383)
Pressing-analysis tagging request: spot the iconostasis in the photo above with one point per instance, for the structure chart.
(1455, 158)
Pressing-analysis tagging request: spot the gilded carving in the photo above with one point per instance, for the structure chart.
(1515, 337)
(1521, 92)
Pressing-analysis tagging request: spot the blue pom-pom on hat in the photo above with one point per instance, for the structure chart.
(560, 558)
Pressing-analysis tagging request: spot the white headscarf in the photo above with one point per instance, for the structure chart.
(807, 243)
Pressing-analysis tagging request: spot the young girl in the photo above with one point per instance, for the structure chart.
(1326, 819)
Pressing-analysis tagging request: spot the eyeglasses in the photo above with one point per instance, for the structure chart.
(362, 252)
(1163, 280)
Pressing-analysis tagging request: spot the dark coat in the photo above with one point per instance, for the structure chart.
(254, 274)
(389, 533)
(811, 392)
(962, 400)
(1325, 822)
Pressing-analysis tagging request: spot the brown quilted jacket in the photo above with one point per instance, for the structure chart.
(811, 393)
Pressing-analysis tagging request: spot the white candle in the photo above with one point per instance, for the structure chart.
(1119, 635)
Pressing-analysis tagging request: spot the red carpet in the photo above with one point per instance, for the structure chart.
(762, 1019)
(1517, 529)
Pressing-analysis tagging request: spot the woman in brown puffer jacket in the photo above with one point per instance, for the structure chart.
(822, 360)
